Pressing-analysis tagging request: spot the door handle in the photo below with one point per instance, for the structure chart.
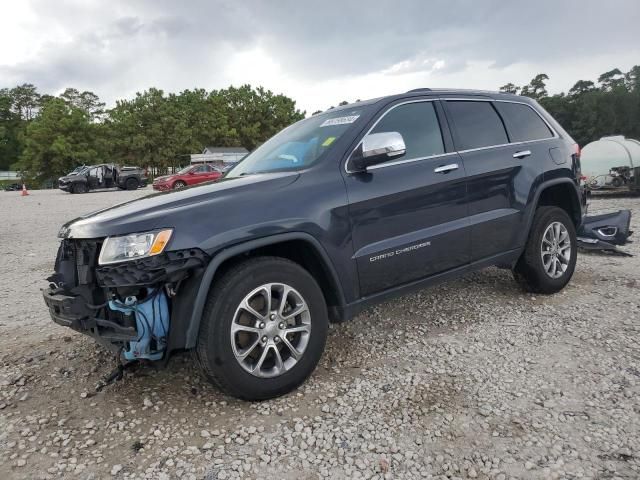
(446, 168)
(522, 154)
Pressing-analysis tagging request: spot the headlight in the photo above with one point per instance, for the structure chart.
(133, 246)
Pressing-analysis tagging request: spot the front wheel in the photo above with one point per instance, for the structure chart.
(79, 188)
(263, 329)
(549, 258)
(179, 185)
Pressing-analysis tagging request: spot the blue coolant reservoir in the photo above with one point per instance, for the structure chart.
(152, 322)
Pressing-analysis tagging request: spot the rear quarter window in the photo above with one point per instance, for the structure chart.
(477, 124)
(522, 122)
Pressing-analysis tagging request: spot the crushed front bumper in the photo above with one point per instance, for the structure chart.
(72, 311)
(80, 290)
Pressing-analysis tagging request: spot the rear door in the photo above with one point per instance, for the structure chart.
(408, 215)
(502, 163)
(94, 177)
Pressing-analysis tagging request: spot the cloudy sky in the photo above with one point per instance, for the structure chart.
(317, 52)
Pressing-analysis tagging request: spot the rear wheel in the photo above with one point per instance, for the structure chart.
(549, 258)
(131, 183)
(179, 184)
(263, 329)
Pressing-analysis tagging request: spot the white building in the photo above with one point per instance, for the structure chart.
(220, 156)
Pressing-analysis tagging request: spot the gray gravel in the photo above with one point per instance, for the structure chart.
(470, 379)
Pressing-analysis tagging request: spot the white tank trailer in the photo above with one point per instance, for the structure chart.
(610, 162)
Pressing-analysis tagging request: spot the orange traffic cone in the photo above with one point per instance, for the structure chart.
(24, 190)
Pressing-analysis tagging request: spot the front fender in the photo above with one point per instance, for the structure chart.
(190, 306)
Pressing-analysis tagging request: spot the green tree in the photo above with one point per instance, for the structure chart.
(57, 140)
(537, 88)
(10, 131)
(611, 79)
(257, 114)
(87, 101)
(26, 101)
(582, 86)
(510, 88)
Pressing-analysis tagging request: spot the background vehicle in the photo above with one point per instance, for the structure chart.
(77, 169)
(191, 175)
(107, 175)
(336, 212)
(12, 187)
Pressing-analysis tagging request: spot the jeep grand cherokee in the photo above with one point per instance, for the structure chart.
(332, 214)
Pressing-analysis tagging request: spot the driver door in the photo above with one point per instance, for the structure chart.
(409, 214)
(196, 175)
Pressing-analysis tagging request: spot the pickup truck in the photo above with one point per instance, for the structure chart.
(98, 177)
(333, 214)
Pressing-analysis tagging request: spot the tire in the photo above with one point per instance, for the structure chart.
(530, 271)
(216, 344)
(131, 184)
(617, 182)
(179, 184)
(79, 188)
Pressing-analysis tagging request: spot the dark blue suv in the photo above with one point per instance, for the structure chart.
(334, 213)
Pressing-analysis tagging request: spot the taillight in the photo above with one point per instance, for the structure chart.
(576, 150)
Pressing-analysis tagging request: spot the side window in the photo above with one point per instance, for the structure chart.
(199, 169)
(522, 122)
(477, 125)
(418, 124)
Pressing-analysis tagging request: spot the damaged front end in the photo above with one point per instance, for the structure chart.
(126, 306)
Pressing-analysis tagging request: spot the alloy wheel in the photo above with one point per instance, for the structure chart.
(270, 330)
(555, 250)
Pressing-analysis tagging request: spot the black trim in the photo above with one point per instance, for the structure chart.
(507, 258)
(207, 279)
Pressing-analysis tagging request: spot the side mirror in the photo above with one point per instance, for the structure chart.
(377, 148)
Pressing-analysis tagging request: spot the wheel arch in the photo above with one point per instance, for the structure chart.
(560, 193)
(309, 254)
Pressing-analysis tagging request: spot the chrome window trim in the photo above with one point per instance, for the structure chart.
(397, 162)
(456, 152)
(504, 145)
(409, 160)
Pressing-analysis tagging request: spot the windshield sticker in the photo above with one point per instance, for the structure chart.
(328, 141)
(339, 121)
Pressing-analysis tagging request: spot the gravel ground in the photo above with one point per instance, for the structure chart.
(470, 379)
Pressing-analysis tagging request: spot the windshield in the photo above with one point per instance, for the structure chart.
(299, 145)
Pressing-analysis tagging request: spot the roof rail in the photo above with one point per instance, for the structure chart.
(419, 90)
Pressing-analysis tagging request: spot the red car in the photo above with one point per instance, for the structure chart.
(190, 175)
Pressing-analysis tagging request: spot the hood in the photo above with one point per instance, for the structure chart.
(167, 209)
(72, 178)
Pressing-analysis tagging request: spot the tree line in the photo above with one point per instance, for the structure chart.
(46, 136)
(591, 110)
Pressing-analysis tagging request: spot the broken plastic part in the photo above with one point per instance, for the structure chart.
(152, 322)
